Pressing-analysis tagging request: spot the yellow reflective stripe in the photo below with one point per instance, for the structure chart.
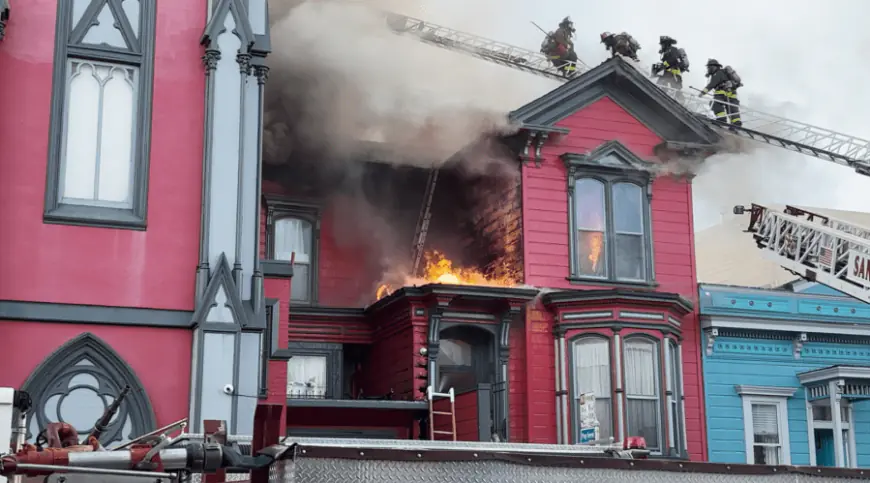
(721, 114)
(675, 71)
(731, 94)
(665, 63)
(735, 120)
(721, 92)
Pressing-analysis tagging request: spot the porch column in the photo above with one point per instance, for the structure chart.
(834, 388)
(811, 430)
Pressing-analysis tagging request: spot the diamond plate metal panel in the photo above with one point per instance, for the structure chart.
(334, 470)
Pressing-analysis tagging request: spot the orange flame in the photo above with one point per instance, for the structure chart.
(440, 269)
(596, 243)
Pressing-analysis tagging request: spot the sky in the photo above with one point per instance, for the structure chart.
(799, 59)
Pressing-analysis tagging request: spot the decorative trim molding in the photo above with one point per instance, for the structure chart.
(798, 343)
(94, 314)
(782, 325)
(767, 391)
(90, 355)
(711, 339)
(834, 372)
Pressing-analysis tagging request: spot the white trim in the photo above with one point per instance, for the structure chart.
(783, 325)
(853, 450)
(834, 372)
(765, 391)
(782, 420)
(811, 430)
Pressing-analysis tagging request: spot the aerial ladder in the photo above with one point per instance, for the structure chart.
(816, 247)
(818, 142)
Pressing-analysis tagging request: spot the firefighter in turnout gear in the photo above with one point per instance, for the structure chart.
(559, 48)
(622, 44)
(724, 83)
(673, 63)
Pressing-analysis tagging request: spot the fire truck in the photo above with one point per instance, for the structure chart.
(169, 455)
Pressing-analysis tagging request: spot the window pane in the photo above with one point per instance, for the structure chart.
(306, 377)
(641, 368)
(642, 390)
(592, 374)
(116, 138)
(454, 353)
(98, 144)
(105, 31)
(591, 255)
(300, 284)
(131, 10)
(627, 208)
(293, 235)
(629, 257)
(589, 205)
(767, 455)
(765, 424)
(642, 415)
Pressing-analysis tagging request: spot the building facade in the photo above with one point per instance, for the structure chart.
(113, 270)
(208, 281)
(785, 375)
(603, 246)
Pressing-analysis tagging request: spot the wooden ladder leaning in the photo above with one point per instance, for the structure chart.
(431, 395)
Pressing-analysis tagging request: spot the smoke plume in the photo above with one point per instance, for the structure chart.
(341, 79)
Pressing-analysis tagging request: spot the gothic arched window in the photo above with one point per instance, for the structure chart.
(75, 385)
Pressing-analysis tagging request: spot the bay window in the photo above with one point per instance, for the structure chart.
(609, 217)
(642, 390)
(101, 113)
(641, 409)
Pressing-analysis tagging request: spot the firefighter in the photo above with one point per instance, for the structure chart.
(559, 48)
(673, 63)
(724, 83)
(622, 44)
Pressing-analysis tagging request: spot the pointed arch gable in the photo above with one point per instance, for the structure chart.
(86, 366)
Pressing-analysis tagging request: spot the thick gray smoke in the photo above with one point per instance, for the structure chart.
(339, 76)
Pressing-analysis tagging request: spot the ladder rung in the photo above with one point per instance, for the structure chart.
(440, 394)
(443, 432)
(444, 413)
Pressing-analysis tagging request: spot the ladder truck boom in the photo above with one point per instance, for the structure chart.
(818, 142)
(818, 248)
(477, 46)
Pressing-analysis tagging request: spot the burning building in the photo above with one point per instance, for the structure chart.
(537, 267)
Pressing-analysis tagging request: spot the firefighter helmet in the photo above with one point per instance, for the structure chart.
(713, 63)
(605, 36)
(665, 40)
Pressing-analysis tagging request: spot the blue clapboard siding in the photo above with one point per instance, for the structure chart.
(771, 363)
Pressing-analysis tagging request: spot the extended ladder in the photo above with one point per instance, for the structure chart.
(481, 47)
(423, 221)
(814, 247)
(431, 395)
(774, 130)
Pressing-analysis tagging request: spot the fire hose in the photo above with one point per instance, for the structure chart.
(193, 457)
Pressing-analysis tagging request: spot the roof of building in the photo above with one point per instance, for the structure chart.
(725, 254)
(621, 82)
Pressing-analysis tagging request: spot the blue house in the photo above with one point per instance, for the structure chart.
(785, 371)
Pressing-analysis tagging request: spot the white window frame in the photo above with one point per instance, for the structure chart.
(660, 391)
(781, 403)
(278, 208)
(575, 395)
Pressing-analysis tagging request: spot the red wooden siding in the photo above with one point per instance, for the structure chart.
(546, 245)
(277, 372)
(517, 401)
(541, 376)
(466, 417)
(102, 266)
